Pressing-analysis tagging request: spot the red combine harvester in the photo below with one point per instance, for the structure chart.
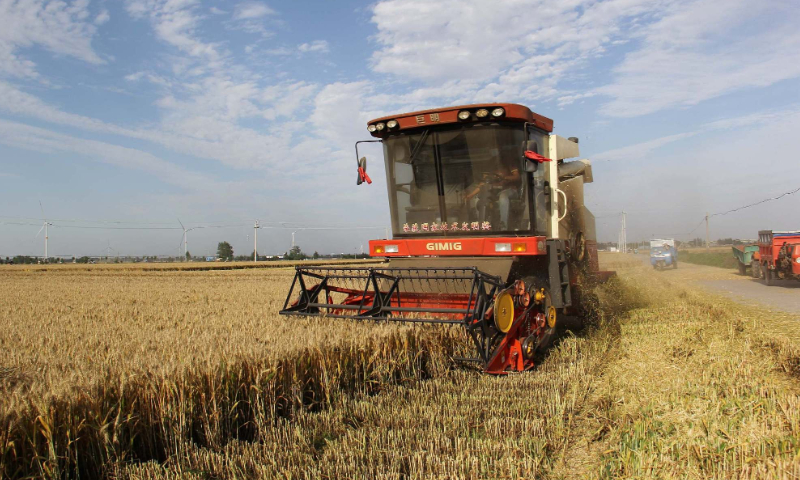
(779, 255)
(489, 231)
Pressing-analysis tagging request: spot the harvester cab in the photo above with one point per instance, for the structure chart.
(489, 231)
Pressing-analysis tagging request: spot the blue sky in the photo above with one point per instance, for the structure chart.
(128, 115)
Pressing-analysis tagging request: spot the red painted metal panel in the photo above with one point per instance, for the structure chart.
(445, 246)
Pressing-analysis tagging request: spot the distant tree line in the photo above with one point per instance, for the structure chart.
(224, 253)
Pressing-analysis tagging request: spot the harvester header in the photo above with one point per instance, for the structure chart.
(489, 231)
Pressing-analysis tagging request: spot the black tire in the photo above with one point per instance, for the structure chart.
(755, 271)
(769, 277)
(742, 268)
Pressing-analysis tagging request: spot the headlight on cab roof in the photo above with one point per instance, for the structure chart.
(464, 115)
(391, 123)
(380, 126)
(481, 113)
(391, 249)
(372, 128)
(498, 112)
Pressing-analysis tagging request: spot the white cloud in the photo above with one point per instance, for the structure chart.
(699, 50)
(640, 151)
(217, 11)
(102, 17)
(681, 52)
(492, 48)
(643, 151)
(251, 10)
(175, 22)
(753, 119)
(319, 46)
(565, 100)
(59, 27)
(33, 138)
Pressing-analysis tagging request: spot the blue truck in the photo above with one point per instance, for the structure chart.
(663, 253)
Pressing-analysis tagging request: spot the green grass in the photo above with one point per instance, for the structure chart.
(712, 259)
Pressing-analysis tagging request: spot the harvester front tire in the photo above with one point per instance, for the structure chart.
(755, 271)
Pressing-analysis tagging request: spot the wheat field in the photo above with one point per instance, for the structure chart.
(130, 373)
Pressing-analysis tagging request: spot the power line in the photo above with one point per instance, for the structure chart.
(757, 203)
(719, 214)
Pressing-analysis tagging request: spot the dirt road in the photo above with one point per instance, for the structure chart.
(784, 296)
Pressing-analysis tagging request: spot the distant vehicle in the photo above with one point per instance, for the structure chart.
(746, 256)
(663, 253)
(779, 255)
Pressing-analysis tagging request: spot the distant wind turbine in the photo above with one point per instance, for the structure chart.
(185, 237)
(44, 227)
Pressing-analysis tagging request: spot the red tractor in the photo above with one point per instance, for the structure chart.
(779, 255)
(489, 231)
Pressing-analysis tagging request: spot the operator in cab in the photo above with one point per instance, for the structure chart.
(505, 184)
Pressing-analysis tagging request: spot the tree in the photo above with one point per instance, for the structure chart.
(316, 255)
(225, 251)
(295, 254)
(188, 256)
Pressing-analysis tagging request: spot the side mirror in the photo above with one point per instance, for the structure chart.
(531, 154)
(362, 172)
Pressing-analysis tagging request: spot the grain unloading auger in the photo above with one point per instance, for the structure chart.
(489, 232)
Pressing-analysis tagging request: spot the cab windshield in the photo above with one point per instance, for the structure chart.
(464, 179)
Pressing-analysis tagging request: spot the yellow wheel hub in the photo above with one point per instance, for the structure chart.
(551, 317)
(539, 296)
(504, 311)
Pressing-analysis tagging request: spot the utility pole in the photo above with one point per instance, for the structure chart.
(707, 248)
(255, 241)
(624, 232)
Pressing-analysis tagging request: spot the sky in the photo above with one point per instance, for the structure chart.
(128, 119)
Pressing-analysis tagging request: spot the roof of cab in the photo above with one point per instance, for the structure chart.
(445, 115)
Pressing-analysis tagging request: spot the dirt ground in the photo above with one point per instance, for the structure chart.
(783, 297)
